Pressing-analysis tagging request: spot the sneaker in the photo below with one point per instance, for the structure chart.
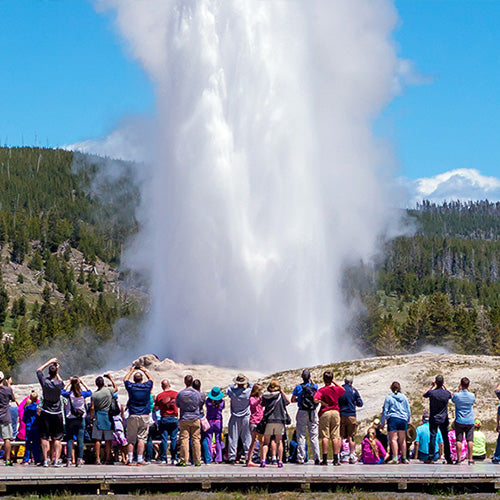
(471, 462)
(79, 462)
(57, 464)
(174, 461)
(324, 462)
(394, 461)
(45, 463)
(98, 462)
(280, 465)
(337, 463)
(68, 464)
(274, 461)
(458, 462)
(263, 463)
(181, 464)
(495, 461)
(8, 463)
(197, 464)
(353, 460)
(404, 460)
(429, 461)
(130, 463)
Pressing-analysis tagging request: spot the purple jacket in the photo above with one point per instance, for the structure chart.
(214, 409)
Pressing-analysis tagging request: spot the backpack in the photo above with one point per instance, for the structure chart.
(307, 401)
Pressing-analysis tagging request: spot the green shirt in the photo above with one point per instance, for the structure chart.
(479, 444)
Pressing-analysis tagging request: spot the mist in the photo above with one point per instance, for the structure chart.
(264, 178)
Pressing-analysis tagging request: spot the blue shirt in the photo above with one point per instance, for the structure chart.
(464, 414)
(297, 392)
(139, 397)
(424, 438)
(349, 401)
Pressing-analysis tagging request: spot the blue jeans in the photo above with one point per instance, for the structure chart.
(169, 428)
(32, 448)
(75, 428)
(496, 456)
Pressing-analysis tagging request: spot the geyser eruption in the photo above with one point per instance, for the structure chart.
(266, 179)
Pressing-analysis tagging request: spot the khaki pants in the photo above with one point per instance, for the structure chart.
(190, 429)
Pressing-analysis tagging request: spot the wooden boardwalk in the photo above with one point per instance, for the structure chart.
(103, 479)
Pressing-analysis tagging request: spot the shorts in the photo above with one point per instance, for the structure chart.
(100, 435)
(6, 431)
(274, 429)
(51, 426)
(348, 427)
(467, 429)
(329, 425)
(397, 424)
(137, 428)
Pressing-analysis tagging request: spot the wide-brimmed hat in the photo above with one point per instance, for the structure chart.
(215, 394)
(241, 379)
(274, 386)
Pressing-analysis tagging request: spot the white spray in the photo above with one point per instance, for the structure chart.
(266, 179)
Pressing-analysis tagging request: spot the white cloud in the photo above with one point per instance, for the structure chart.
(458, 184)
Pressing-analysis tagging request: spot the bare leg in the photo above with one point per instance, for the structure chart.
(459, 450)
(57, 450)
(250, 450)
(337, 445)
(352, 445)
(393, 439)
(470, 449)
(402, 443)
(279, 446)
(45, 449)
(7, 448)
(108, 451)
(324, 445)
(265, 447)
(97, 449)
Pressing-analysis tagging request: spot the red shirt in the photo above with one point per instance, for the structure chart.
(330, 394)
(166, 403)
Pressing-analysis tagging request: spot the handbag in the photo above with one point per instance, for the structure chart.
(114, 408)
(205, 424)
(76, 412)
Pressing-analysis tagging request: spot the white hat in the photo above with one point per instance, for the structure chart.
(1, 376)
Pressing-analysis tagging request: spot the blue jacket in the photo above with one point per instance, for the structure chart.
(396, 406)
(349, 401)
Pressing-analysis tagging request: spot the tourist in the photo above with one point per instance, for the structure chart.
(347, 409)
(102, 425)
(32, 450)
(75, 418)
(479, 443)
(239, 421)
(51, 416)
(397, 414)
(6, 430)
(496, 456)
(464, 418)
(439, 397)
(274, 401)
(215, 404)
(169, 421)
(188, 401)
(372, 451)
(307, 417)
(329, 416)
(452, 437)
(256, 414)
(204, 425)
(381, 435)
(423, 442)
(139, 409)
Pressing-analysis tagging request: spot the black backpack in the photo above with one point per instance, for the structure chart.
(307, 402)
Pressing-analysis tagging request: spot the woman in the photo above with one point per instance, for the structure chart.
(372, 451)
(75, 418)
(256, 414)
(205, 452)
(275, 416)
(397, 414)
(215, 404)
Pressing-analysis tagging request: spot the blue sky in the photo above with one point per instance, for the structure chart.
(65, 78)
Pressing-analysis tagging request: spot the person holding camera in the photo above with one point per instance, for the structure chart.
(102, 426)
(139, 408)
(51, 416)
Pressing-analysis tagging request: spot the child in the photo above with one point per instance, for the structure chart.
(372, 451)
(30, 419)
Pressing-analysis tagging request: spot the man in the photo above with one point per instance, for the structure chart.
(169, 422)
(329, 416)
(51, 417)
(348, 423)
(6, 431)
(102, 426)
(423, 439)
(307, 418)
(188, 401)
(239, 422)
(496, 455)
(139, 408)
(464, 419)
(438, 416)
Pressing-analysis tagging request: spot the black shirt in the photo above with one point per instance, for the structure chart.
(438, 404)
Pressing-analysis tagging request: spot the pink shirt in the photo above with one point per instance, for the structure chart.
(367, 455)
(256, 410)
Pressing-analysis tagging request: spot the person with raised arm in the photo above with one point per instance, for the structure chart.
(51, 416)
(6, 431)
(438, 397)
(496, 455)
(464, 418)
(139, 408)
(102, 426)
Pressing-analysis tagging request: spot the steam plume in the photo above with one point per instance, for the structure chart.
(266, 179)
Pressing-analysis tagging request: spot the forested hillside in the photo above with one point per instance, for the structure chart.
(62, 226)
(439, 287)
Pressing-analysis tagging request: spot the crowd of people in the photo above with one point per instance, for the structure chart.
(67, 423)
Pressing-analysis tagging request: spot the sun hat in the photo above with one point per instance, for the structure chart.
(215, 394)
(241, 379)
(376, 421)
(477, 423)
(274, 386)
